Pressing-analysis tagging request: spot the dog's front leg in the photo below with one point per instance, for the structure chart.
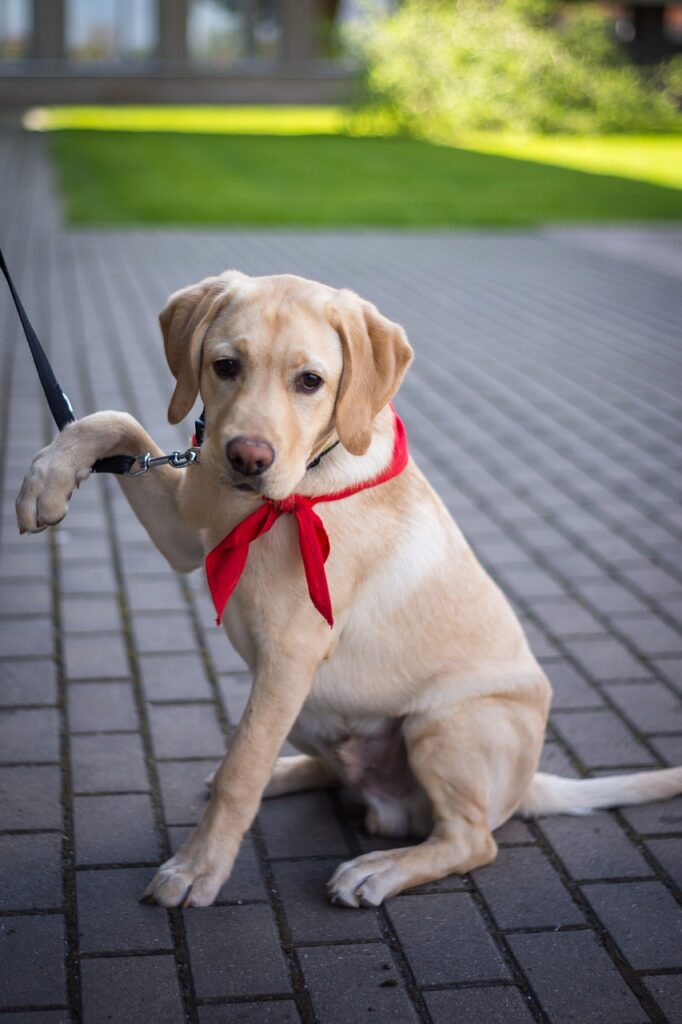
(65, 463)
(195, 874)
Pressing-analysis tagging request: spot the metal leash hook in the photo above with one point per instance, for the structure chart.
(178, 460)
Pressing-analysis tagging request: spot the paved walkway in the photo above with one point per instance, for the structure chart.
(545, 405)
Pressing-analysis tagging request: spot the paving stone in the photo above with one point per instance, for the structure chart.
(301, 825)
(277, 1011)
(186, 730)
(106, 763)
(27, 637)
(671, 670)
(246, 881)
(600, 739)
(514, 832)
(571, 689)
(29, 735)
(649, 707)
(523, 890)
(651, 579)
(100, 656)
(183, 789)
(26, 597)
(355, 983)
(102, 707)
(644, 920)
(32, 951)
(91, 578)
(529, 581)
(114, 829)
(445, 939)
(609, 597)
(235, 951)
(21, 561)
(93, 614)
(593, 846)
(30, 797)
(235, 691)
(111, 917)
(170, 631)
(498, 1005)
(311, 917)
(668, 748)
(38, 1017)
(668, 853)
(179, 676)
(607, 659)
(555, 761)
(659, 817)
(30, 872)
(570, 991)
(566, 617)
(150, 594)
(667, 991)
(146, 989)
(650, 634)
(31, 681)
(223, 654)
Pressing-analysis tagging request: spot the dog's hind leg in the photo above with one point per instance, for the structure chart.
(474, 763)
(293, 774)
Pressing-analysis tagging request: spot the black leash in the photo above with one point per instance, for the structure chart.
(63, 414)
(62, 410)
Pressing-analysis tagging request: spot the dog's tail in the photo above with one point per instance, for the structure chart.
(551, 794)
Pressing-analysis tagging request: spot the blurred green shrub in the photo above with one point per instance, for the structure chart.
(439, 67)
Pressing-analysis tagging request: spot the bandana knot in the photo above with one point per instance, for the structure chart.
(226, 562)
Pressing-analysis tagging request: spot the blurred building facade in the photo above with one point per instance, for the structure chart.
(156, 51)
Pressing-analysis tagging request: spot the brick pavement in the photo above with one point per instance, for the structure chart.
(544, 404)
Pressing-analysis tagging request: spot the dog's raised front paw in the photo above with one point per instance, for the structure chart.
(44, 496)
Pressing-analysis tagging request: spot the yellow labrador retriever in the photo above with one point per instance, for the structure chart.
(424, 696)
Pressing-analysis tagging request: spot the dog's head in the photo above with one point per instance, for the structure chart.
(284, 367)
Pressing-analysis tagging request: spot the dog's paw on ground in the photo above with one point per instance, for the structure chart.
(365, 881)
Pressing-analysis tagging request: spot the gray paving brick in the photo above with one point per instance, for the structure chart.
(21, 561)
(277, 1011)
(38, 1017)
(607, 659)
(571, 689)
(106, 763)
(100, 656)
(111, 917)
(30, 681)
(524, 891)
(609, 597)
(649, 819)
(183, 789)
(594, 846)
(555, 760)
(513, 833)
(25, 637)
(644, 920)
(529, 581)
(30, 872)
(146, 989)
(235, 952)
(93, 578)
(179, 676)
(114, 829)
(223, 654)
(93, 614)
(235, 691)
(667, 991)
(566, 617)
(30, 797)
(668, 853)
(671, 670)
(311, 917)
(498, 1005)
(355, 983)
(30, 597)
(246, 880)
(301, 825)
(31, 735)
(669, 749)
(575, 980)
(154, 594)
(101, 707)
(650, 634)
(600, 739)
(32, 952)
(186, 730)
(445, 939)
(649, 707)
(170, 631)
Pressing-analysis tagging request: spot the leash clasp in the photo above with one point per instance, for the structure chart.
(178, 460)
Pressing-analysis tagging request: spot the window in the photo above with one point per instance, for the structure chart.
(223, 32)
(111, 31)
(15, 29)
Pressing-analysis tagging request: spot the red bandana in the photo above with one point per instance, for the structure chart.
(225, 563)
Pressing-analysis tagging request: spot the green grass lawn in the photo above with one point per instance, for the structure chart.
(304, 166)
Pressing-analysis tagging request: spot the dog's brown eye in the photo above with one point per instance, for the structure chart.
(227, 369)
(309, 382)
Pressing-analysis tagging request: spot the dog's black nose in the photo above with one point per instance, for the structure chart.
(249, 456)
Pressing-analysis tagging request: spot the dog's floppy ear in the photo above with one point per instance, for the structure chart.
(184, 321)
(376, 354)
